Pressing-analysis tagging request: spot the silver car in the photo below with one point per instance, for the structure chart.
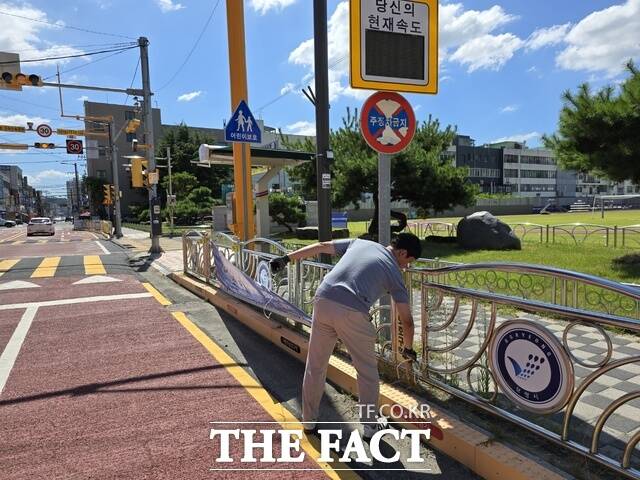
(40, 225)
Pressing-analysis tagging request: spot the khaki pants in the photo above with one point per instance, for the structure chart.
(330, 322)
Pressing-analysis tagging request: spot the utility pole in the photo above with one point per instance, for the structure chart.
(117, 221)
(154, 204)
(170, 189)
(75, 167)
(323, 179)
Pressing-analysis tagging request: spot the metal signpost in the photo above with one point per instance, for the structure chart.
(242, 128)
(394, 45)
(388, 124)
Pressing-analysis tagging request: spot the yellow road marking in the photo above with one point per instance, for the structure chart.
(12, 237)
(156, 294)
(18, 242)
(5, 265)
(275, 410)
(47, 267)
(93, 265)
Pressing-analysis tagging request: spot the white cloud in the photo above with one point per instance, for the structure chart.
(25, 37)
(21, 120)
(301, 128)
(83, 98)
(603, 40)
(288, 87)
(547, 36)
(49, 178)
(487, 52)
(519, 137)
(187, 97)
(263, 6)
(510, 109)
(169, 6)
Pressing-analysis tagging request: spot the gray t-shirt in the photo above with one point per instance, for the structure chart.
(366, 272)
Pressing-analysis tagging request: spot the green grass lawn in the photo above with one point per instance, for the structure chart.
(591, 257)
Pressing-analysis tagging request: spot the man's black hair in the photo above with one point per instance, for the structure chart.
(408, 242)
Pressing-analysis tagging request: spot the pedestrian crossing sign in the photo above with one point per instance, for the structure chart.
(242, 127)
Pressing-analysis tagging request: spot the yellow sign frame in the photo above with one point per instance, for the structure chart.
(68, 131)
(355, 42)
(12, 128)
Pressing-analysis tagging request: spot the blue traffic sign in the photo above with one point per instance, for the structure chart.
(243, 127)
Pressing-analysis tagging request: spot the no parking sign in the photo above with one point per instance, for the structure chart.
(387, 122)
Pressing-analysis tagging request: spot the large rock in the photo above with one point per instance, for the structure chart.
(481, 230)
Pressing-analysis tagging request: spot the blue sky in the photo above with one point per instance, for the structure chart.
(503, 64)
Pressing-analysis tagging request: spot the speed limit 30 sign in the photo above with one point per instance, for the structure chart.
(74, 147)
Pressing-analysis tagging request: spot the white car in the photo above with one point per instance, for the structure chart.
(42, 225)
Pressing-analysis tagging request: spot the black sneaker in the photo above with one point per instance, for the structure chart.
(371, 428)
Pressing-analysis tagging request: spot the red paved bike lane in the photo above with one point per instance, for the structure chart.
(116, 389)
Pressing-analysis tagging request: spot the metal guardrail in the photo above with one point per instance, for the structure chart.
(461, 311)
(568, 233)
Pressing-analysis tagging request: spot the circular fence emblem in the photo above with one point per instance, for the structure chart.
(263, 275)
(531, 366)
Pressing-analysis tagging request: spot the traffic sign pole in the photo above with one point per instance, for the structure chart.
(384, 198)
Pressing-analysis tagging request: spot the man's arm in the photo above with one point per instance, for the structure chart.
(312, 251)
(404, 312)
(279, 263)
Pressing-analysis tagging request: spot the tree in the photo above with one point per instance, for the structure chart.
(286, 209)
(186, 212)
(184, 144)
(598, 132)
(182, 183)
(202, 199)
(418, 174)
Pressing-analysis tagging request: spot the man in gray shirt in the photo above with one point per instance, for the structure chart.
(366, 272)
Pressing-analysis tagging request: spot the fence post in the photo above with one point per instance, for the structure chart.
(206, 256)
(547, 233)
(615, 236)
(184, 252)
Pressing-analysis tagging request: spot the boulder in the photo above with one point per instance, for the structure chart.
(481, 230)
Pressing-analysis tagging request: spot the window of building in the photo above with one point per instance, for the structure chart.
(538, 173)
(101, 173)
(536, 160)
(511, 172)
(129, 114)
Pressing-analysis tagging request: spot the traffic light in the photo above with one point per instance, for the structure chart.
(106, 193)
(139, 172)
(113, 192)
(46, 146)
(132, 126)
(17, 80)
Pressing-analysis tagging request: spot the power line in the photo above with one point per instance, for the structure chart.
(28, 103)
(103, 45)
(133, 79)
(118, 52)
(192, 48)
(70, 27)
(85, 54)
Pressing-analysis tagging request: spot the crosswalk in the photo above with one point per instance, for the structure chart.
(54, 266)
(11, 241)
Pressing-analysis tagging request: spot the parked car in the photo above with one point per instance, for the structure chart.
(7, 223)
(40, 225)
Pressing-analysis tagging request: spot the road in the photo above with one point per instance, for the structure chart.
(110, 370)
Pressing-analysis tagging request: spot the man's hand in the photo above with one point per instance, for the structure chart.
(279, 263)
(409, 354)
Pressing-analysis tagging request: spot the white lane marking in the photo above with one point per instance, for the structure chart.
(94, 235)
(72, 301)
(96, 279)
(107, 252)
(15, 284)
(10, 353)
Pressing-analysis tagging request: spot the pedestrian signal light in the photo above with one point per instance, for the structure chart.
(46, 146)
(132, 126)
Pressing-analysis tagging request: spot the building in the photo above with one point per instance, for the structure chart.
(74, 202)
(98, 155)
(485, 164)
(15, 207)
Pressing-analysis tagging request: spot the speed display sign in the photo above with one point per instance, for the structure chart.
(74, 147)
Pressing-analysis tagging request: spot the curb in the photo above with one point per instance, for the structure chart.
(474, 448)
